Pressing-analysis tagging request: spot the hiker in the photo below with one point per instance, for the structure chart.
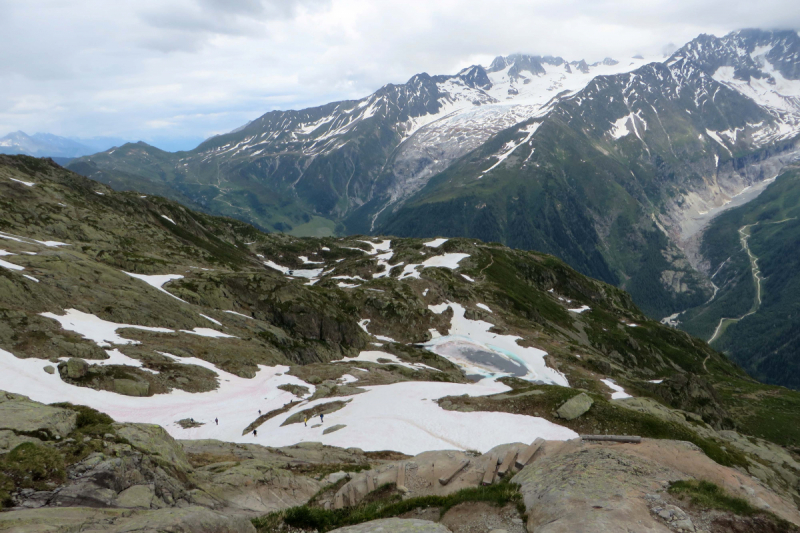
(321, 417)
(259, 412)
(216, 421)
(305, 421)
(255, 433)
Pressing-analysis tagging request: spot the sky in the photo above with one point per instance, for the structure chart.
(174, 72)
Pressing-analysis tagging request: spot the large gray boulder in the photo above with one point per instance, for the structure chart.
(575, 407)
(395, 525)
(22, 415)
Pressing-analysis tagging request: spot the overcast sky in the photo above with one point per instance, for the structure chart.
(172, 72)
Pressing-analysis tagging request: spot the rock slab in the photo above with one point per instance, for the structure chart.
(575, 407)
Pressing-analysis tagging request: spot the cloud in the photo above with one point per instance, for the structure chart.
(151, 69)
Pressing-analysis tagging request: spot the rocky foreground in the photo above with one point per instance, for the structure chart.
(76, 470)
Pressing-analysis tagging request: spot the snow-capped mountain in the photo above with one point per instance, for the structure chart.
(603, 165)
(337, 157)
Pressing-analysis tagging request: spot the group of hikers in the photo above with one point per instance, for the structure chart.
(305, 421)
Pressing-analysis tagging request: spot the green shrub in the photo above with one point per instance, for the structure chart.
(34, 466)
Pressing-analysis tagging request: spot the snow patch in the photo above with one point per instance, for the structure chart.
(619, 393)
(157, 281)
(91, 327)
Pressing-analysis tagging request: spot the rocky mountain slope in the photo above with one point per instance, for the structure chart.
(619, 178)
(150, 313)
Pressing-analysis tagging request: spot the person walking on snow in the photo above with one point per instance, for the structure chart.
(321, 417)
(216, 420)
(255, 433)
(305, 421)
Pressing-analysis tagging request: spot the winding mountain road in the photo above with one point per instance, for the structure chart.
(744, 235)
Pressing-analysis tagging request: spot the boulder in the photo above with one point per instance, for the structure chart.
(50, 369)
(395, 525)
(575, 407)
(136, 497)
(74, 368)
(331, 429)
(129, 387)
(22, 415)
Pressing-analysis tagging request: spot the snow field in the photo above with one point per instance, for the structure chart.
(402, 416)
(475, 335)
(102, 332)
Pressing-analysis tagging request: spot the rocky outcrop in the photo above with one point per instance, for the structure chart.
(21, 415)
(692, 393)
(574, 486)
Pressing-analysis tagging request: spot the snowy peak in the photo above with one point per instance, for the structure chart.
(476, 77)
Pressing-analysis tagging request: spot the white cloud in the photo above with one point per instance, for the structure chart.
(147, 69)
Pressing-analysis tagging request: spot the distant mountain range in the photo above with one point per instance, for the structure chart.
(49, 145)
(616, 167)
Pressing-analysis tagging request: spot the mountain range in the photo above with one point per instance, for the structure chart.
(616, 167)
(49, 145)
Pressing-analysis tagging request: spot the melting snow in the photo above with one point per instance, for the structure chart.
(239, 314)
(580, 309)
(471, 346)
(157, 281)
(217, 322)
(484, 307)
(167, 218)
(6, 264)
(26, 183)
(619, 393)
(436, 243)
(307, 274)
(91, 327)
(401, 416)
(363, 324)
(206, 332)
